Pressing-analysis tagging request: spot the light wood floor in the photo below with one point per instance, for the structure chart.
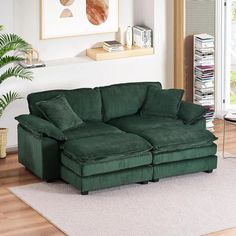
(17, 218)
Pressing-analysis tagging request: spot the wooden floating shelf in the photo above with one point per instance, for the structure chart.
(100, 54)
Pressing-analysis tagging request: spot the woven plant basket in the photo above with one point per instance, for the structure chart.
(3, 142)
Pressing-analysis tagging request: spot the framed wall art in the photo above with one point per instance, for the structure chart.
(65, 18)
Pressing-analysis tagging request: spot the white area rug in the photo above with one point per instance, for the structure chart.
(190, 205)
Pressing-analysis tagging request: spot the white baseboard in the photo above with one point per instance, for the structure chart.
(12, 149)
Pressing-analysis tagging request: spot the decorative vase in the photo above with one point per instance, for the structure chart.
(121, 36)
(3, 142)
(129, 37)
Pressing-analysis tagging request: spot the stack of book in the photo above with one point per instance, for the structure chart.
(204, 75)
(113, 46)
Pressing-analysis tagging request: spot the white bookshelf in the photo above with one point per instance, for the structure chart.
(204, 75)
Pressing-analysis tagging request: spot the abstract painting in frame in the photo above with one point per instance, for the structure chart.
(65, 18)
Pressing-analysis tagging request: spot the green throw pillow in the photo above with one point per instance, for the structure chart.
(59, 112)
(162, 103)
(191, 113)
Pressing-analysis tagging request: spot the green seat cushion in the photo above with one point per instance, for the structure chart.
(103, 166)
(124, 99)
(58, 111)
(173, 138)
(91, 128)
(162, 103)
(180, 155)
(136, 123)
(85, 102)
(191, 113)
(105, 147)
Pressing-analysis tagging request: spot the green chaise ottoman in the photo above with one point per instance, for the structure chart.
(97, 162)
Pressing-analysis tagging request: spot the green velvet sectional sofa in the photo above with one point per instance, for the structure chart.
(119, 139)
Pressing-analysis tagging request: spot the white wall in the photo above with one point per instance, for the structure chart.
(83, 72)
(27, 24)
(6, 15)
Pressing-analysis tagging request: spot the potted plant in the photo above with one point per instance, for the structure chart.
(11, 49)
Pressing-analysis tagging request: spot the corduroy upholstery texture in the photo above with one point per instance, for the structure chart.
(59, 112)
(162, 103)
(40, 127)
(185, 154)
(136, 123)
(200, 124)
(184, 167)
(105, 147)
(40, 155)
(90, 129)
(130, 147)
(108, 165)
(190, 113)
(176, 138)
(107, 180)
(124, 99)
(86, 103)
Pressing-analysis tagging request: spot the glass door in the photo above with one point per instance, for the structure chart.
(230, 55)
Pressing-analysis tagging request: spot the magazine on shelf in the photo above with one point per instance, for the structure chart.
(204, 75)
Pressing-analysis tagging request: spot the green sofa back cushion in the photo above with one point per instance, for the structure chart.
(162, 103)
(58, 111)
(86, 102)
(124, 99)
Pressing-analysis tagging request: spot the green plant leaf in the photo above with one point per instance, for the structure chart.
(9, 59)
(7, 99)
(17, 72)
(11, 46)
(12, 42)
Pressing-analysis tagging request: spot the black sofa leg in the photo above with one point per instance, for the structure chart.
(209, 171)
(50, 181)
(155, 180)
(84, 193)
(143, 182)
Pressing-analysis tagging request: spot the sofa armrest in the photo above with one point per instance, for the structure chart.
(40, 155)
(40, 127)
(191, 113)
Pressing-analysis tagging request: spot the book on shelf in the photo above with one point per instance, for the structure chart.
(204, 41)
(113, 49)
(204, 76)
(113, 46)
(112, 43)
(205, 68)
(205, 103)
(204, 53)
(203, 63)
(206, 57)
(142, 36)
(204, 45)
(204, 84)
(208, 93)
